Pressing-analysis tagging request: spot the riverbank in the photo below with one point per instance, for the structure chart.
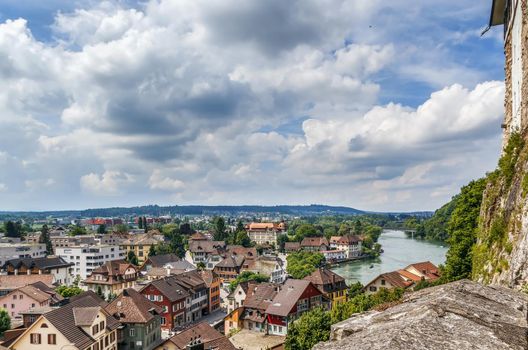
(399, 251)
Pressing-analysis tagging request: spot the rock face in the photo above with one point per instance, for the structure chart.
(459, 315)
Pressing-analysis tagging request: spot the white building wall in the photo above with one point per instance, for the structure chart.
(88, 258)
(516, 76)
(10, 251)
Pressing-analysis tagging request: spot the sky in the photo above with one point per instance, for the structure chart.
(378, 105)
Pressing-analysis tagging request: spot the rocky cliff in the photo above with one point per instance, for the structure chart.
(460, 315)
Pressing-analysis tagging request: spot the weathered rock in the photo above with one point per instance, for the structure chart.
(459, 315)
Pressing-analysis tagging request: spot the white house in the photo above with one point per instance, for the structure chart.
(87, 258)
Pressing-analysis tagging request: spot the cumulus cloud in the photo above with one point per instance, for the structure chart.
(227, 102)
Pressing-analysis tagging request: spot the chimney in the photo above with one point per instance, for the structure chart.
(195, 344)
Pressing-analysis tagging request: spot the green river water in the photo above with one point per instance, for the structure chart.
(399, 251)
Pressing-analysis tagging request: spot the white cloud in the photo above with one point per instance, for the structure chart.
(158, 181)
(107, 184)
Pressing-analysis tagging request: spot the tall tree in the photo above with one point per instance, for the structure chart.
(132, 258)
(11, 229)
(5, 321)
(45, 238)
(311, 328)
(140, 222)
(220, 231)
(101, 229)
(145, 224)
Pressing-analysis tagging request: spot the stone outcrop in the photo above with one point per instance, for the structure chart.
(460, 315)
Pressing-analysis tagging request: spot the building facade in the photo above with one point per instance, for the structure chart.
(9, 251)
(86, 259)
(112, 278)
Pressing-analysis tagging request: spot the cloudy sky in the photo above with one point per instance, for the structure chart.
(379, 105)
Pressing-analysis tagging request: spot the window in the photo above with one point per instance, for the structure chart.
(132, 332)
(52, 339)
(372, 288)
(163, 320)
(102, 325)
(12, 306)
(112, 337)
(21, 297)
(44, 325)
(382, 282)
(95, 329)
(34, 338)
(14, 296)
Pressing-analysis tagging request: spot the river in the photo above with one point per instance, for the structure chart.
(398, 252)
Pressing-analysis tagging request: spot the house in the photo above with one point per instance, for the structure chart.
(82, 324)
(31, 315)
(233, 320)
(112, 277)
(62, 241)
(87, 258)
(350, 244)
(334, 255)
(212, 282)
(199, 336)
(54, 265)
(290, 247)
(425, 270)
(293, 299)
(174, 268)
(140, 320)
(259, 297)
(198, 302)
(159, 261)
(265, 232)
(204, 251)
(140, 244)
(36, 295)
(8, 283)
(330, 284)
(388, 280)
(267, 265)
(229, 268)
(236, 298)
(314, 244)
(172, 298)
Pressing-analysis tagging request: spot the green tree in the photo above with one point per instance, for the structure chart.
(145, 225)
(355, 289)
(120, 228)
(311, 328)
(281, 241)
(200, 265)
(140, 222)
(462, 229)
(247, 276)
(358, 227)
(132, 258)
(306, 230)
(12, 229)
(301, 264)
(5, 321)
(101, 229)
(68, 291)
(45, 238)
(219, 227)
(77, 231)
(100, 292)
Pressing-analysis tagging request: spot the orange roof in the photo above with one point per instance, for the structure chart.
(262, 225)
(410, 276)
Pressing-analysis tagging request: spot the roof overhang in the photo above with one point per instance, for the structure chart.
(497, 12)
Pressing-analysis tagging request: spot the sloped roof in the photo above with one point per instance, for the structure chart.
(206, 246)
(248, 253)
(36, 294)
(264, 264)
(314, 241)
(64, 320)
(231, 261)
(207, 334)
(10, 282)
(394, 278)
(170, 288)
(85, 316)
(198, 237)
(410, 276)
(292, 245)
(287, 297)
(427, 268)
(160, 260)
(262, 226)
(132, 307)
(260, 296)
(46, 263)
(324, 276)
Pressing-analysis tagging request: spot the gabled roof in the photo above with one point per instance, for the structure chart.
(113, 272)
(64, 319)
(260, 296)
(323, 276)
(170, 288)
(292, 245)
(314, 241)
(45, 263)
(206, 246)
(231, 261)
(427, 268)
(210, 337)
(394, 278)
(132, 307)
(262, 226)
(208, 277)
(264, 264)
(287, 297)
(198, 237)
(248, 253)
(160, 260)
(85, 316)
(192, 280)
(37, 294)
(10, 282)
(409, 276)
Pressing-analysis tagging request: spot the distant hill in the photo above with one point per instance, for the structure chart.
(156, 210)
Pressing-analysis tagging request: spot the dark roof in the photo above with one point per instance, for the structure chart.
(192, 280)
(91, 294)
(45, 263)
(259, 296)
(64, 320)
(132, 307)
(314, 241)
(324, 276)
(160, 260)
(209, 336)
(170, 288)
(231, 261)
(497, 12)
(287, 297)
(206, 246)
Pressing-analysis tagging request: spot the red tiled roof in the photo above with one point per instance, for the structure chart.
(314, 242)
(209, 336)
(132, 307)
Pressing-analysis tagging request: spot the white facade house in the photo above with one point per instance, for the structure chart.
(9, 251)
(335, 255)
(351, 245)
(87, 258)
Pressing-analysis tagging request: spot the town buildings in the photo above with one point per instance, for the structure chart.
(229, 268)
(404, 278)
(140, 244)
(204, 251)
(54, 265)
(112, 278)
(212, 283)
(82, 324)
(67, 241)
(86, 258)
(9, 283)
(10, 251)
(36, 295)
(265, 232)
(271, 266)
(350, 244)
(314, 244)
(330, 284)
(140, 321)
(199, 336)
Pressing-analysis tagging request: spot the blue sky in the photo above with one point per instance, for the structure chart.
(376, 105)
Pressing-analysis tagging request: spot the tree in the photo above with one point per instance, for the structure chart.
(45, 238)
(101, 229)
(462, 233)
(120, 228)
(13, 229)
(219, 227)
(132, 258)
(140, 222)
(311, 328)
(77, 231)
(281, 241)
(355, 289)
(5, 321)
(145, 224)
(185, 229)
(100, 292)
(306, 230)
(68, 291)
(301, 264)
(247, 276)
(358, 227)
(200, 265)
